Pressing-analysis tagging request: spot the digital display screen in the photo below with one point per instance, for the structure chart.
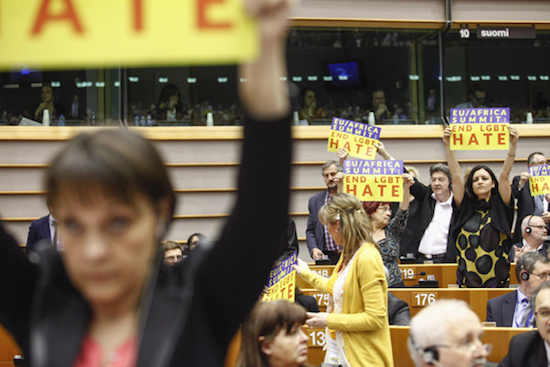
(344, 74)
(25, 74)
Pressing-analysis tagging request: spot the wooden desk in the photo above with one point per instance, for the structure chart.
(477, 298)
(8, 348)
(444, 273)
(418, 298)
(498, 337)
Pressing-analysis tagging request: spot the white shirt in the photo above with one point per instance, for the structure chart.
(58, 245)
(520, 308)
(434, 240)
(537, 249)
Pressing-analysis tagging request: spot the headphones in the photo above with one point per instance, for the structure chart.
(524, 274)
(429, 355)
(528, 229)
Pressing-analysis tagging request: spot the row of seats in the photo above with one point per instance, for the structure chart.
(445, 274)
(498, 337)
(418, 298)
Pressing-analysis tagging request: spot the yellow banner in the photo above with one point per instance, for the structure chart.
(539, 185)
(357, 146)
(80, 33)
(375, 188)
(283, 289)
(480, 136)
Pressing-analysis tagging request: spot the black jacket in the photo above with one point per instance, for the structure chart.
(526, 350)
(190, 312)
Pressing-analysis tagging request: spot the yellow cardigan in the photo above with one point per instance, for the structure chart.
(364, 318)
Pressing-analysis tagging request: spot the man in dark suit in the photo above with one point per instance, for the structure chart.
(528, 205)
(399, 312)
(534, 235)
(319, 241)
(510, 309)
(38, 231)
(529, 349)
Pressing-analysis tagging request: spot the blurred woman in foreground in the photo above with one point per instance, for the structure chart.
(106, 300)
(357, 314)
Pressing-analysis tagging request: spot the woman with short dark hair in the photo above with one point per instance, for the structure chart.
(105, 300)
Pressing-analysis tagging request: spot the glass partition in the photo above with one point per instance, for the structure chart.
(499, 73)
(334, 72)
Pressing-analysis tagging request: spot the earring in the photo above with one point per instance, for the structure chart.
(337, 230)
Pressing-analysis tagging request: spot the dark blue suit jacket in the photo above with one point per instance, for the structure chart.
(315, 231)
(501, 309)
(39, 230)
(526, 350)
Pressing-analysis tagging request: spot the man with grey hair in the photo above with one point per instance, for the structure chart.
(533, 348)
(319, 241)
(535, 234)
(514, 309)
(447, 334)
(427, 231)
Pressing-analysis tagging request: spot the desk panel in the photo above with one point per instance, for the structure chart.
(444, 273)
(498, 337)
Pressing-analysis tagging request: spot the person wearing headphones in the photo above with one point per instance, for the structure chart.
(535, 234)
(531, 348)
(447, 334)
(514, 309)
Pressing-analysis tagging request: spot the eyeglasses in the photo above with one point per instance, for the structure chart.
(471, 346)
(538, 227)
(543, 275)
(543, 315)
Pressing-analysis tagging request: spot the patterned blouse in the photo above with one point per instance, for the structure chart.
(389, 246)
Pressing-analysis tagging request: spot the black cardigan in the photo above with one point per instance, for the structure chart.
(189, 312)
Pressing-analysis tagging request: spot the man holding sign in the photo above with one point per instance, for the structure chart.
(527, 203)
(319, 241)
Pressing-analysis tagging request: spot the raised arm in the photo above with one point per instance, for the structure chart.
(381, 149)
(235, 270)
(504, 186)
(342, 154)
(408, 181)
(264, 95)
(454, 167)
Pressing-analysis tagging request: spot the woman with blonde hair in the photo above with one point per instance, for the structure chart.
(357, 314)
(272, 336)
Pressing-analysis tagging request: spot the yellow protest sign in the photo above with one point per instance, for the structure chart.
(358, 138)
(79, 33)
(480, 129)
(282, 280)
(374, 180)
(539, 180)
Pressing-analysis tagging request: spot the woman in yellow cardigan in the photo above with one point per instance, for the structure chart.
(357, 315)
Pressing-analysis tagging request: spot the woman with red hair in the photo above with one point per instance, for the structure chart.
(386, 231)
